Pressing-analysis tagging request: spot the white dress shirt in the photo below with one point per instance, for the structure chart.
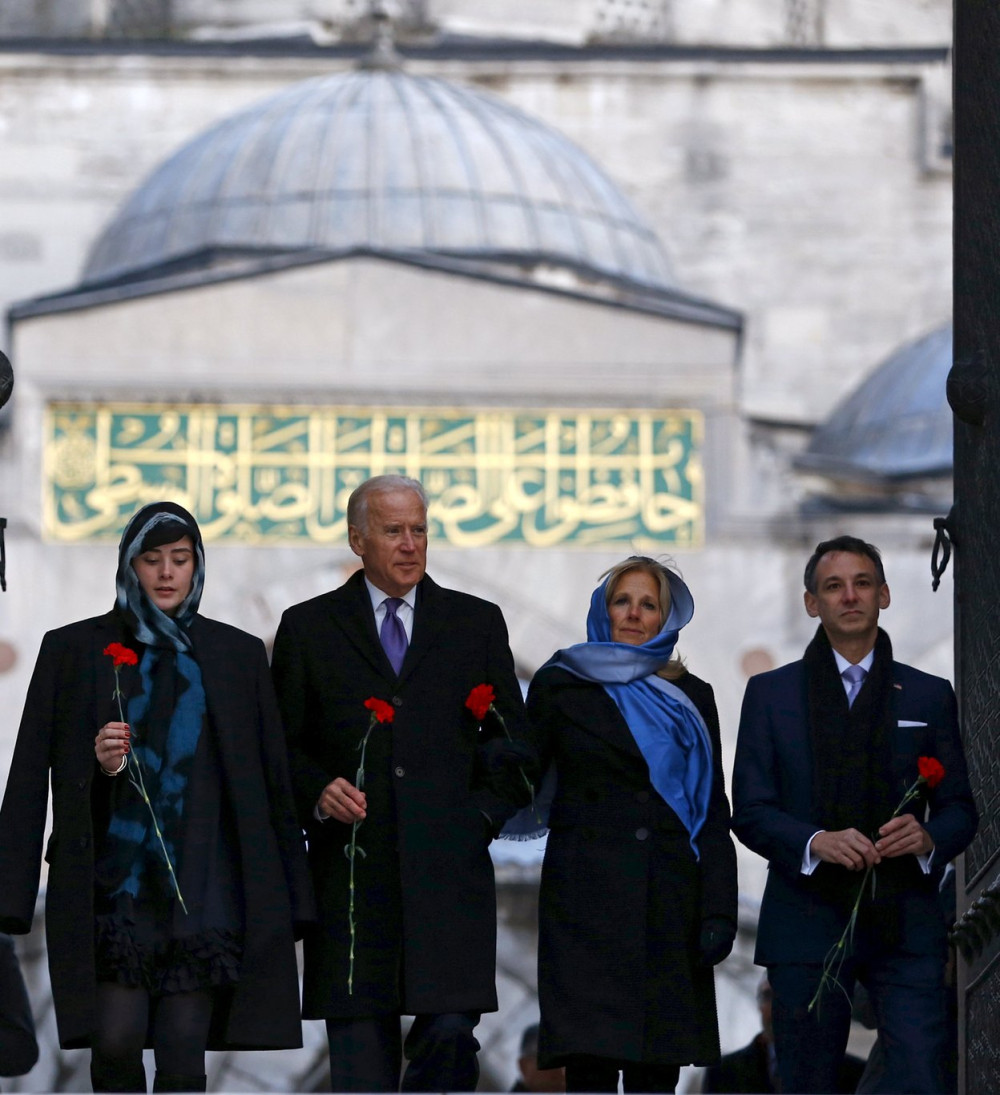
(404, 612)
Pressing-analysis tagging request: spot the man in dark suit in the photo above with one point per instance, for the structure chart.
(827, 748)
(423, 901)
(532, 1077)
(753, 1070)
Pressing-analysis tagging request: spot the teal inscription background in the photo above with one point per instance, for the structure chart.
(284, 474)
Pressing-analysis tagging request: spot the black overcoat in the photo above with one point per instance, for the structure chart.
(425, 898)
(622, 897)
(69, 699)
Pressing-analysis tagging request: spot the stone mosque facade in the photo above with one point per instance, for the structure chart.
(607, 277)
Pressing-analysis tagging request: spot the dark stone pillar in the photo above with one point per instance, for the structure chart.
(974, 393)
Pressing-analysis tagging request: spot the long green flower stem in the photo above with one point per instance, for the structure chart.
(140, 785)
(352, 850)
(527, 782)
(836, 955)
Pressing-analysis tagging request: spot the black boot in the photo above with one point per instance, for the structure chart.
(175, 1081)
(109, 1074)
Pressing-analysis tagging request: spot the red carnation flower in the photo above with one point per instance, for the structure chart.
(122, 655)
(480, 700)
(931, 771)
(381, 711)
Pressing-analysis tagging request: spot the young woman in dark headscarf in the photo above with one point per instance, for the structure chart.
(177, 876)
(638, 893)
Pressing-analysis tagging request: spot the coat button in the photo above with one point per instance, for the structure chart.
(642, 796)
(641, 834)
(81, 783)
(397, 701)
(400, 771)
(84, 841)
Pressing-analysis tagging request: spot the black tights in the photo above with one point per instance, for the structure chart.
(180, 1035)
(600, 1074)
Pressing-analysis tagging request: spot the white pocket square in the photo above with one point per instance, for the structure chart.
(909, 722)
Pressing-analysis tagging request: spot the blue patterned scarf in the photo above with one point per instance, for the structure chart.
(166, 766)
(166, 716)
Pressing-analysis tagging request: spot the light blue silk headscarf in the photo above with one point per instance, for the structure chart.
(666, 725)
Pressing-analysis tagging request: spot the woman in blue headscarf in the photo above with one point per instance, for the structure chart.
(177, 880)
(638, 894)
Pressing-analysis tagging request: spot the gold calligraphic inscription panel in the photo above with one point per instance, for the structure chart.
(264, 474)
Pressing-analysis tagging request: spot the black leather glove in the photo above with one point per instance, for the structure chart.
(507, 768)
(717, 936)
(491, 829)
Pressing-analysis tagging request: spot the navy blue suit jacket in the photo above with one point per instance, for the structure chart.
(773, 808)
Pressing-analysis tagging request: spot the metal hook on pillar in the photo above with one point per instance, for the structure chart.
(944, 536)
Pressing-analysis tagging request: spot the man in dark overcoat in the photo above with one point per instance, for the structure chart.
(421, 937)
(828, 749)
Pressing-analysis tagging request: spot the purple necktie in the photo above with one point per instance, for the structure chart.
(393, 634)
(855, 676)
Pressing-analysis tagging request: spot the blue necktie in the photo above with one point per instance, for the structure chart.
(855, 677)
(393, 634)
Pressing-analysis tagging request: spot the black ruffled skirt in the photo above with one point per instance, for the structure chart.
(149, 941)
(136, 947)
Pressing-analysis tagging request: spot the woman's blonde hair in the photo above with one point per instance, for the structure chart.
(660, 572)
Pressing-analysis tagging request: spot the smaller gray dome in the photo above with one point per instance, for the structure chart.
(897, 424)
(387, 163)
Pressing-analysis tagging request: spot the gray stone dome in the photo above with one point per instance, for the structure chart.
(381, 162)
(897, 424)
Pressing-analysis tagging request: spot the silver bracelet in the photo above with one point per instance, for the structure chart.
(118, 770)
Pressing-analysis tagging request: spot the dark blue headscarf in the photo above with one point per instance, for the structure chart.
(666, 725)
